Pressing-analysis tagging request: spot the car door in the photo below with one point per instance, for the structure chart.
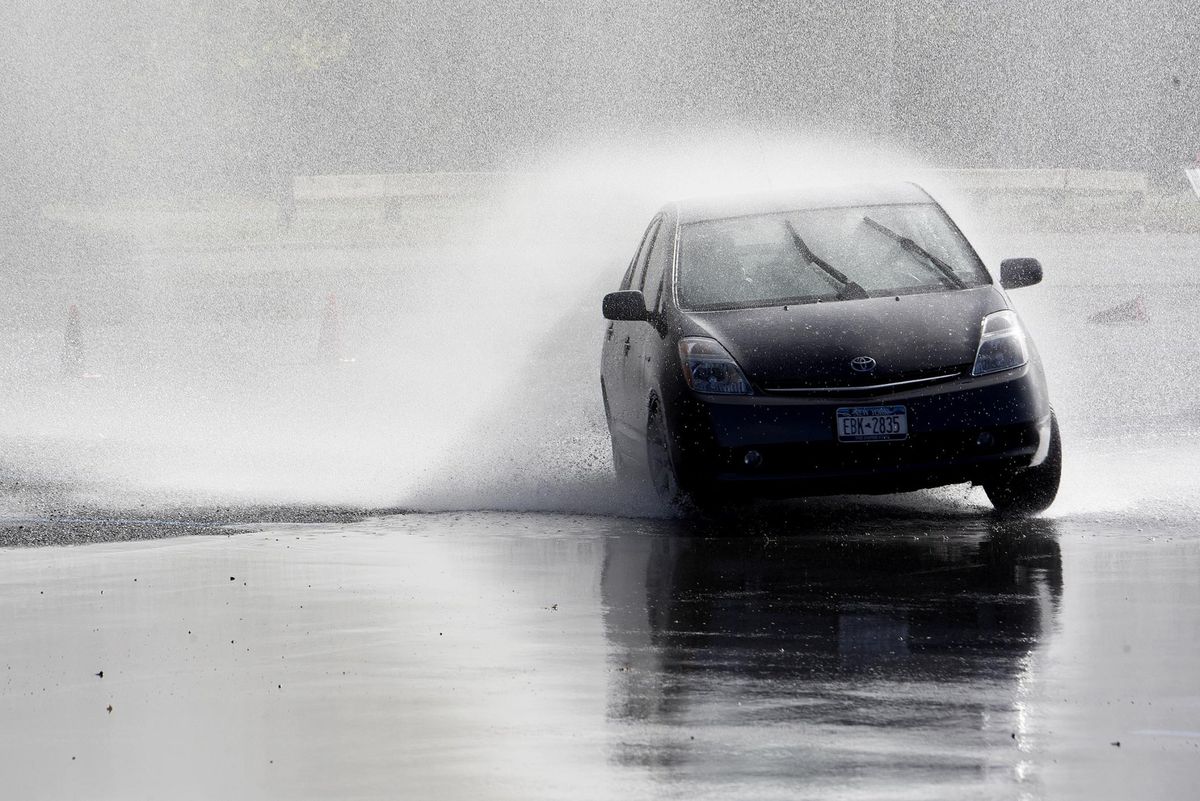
(618, 339)
(645, 337)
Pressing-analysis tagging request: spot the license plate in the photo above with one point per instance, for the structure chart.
(872, 423)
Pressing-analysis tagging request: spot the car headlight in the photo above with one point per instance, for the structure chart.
(1001, 344)
(708, 368)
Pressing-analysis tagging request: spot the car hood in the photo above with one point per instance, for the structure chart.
(812, 344)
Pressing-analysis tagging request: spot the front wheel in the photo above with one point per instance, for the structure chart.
(1019, 493)
(623, 469)
(663, 476)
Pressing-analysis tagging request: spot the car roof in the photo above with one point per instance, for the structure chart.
(824, 197)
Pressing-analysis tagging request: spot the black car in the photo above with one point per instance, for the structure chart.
(824, 342)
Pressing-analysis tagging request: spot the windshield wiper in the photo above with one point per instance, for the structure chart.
(847, 289)
(913, 249)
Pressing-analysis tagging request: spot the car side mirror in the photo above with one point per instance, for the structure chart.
(628, 305)
(1016, 273)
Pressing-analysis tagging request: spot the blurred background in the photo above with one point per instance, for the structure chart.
(145, 97)
(305, 252)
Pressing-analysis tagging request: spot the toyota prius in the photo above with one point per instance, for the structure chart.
(824, 342)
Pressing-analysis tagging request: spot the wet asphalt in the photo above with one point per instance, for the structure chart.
(832, 649)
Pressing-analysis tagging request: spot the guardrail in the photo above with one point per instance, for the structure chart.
(1055, 180)
(384, 186)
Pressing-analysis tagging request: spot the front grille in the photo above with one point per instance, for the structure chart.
(869, 384)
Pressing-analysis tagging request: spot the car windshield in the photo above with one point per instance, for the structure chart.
(803, 256)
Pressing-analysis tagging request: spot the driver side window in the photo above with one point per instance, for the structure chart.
(636, 273)
(656, 266)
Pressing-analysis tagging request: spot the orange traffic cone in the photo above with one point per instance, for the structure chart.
(72, 355)
(1133, 311)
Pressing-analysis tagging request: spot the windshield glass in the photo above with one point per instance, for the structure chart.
(772, 259)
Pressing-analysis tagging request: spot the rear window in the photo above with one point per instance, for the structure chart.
(772, 259)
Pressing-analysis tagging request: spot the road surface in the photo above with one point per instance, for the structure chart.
(834, 649)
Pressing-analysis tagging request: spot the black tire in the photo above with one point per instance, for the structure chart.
(1020, 493)
(664, 478)
(625, 471)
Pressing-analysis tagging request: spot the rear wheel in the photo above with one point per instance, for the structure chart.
(1032, 489)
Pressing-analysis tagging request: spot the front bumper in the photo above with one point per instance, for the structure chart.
(961, 430)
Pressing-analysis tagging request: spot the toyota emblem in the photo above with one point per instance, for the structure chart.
(862, 364)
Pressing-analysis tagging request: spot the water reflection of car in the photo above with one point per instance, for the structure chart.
(840, 341)
(845, 649)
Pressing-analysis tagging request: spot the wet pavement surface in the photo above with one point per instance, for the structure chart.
(827, 650)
